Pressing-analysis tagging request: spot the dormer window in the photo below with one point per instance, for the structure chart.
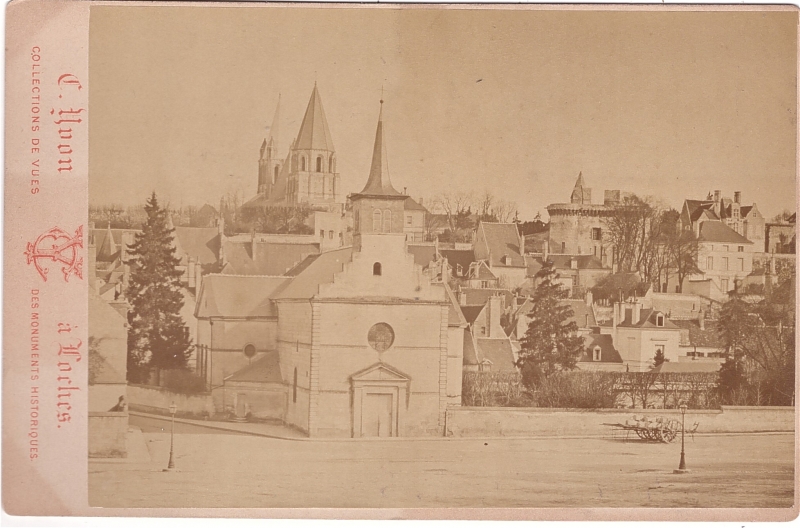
(376, 269)
(596, 354)
(505, 260)
(660, 320)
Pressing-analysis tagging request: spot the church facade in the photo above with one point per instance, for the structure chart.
(366, 343)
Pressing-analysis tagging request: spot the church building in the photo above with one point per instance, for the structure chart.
(366, 344)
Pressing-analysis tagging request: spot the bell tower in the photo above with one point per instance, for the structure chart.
(269, 164)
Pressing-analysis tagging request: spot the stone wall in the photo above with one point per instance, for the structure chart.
(521, 422)
(155, 399)
(107, 433)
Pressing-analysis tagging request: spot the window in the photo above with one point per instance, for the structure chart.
(741, 264)
(322, 233)
(302, 163)
(294, 387)
(724, 285)
(741, 249)
(596, 354)
(725, 263)
(380, 336)
(276, 174)
(330, 235)
(319, 163)
(725, 248)
(376, 268)
(387, 221)
(563, 247)
(459, 270)
(356, 221)
(483, 330)
(376, 221)
(484, 284)
(659, 320)
(710, 263)
(332, 164)
(596, 233)
(408, 219)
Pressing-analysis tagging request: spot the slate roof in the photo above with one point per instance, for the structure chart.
(108, 355)
(265, 257)
(499, 240)
(499, 352)
(379, 183)
(716, 231)
(471, 312)
(698, 208)
(455, 317)
(238, 296)
(424, 254)
(462, 257)
(313, 271)
(608, 354)
(481, 296)
(200, 242)
(314, 132)
(692, 335)
(412, 205)
(647, 319)
(265, 369)
(470, 354)
(482, 272)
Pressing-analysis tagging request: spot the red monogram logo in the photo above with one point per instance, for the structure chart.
(57, 246)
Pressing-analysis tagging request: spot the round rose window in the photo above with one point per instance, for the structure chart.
(380, 336)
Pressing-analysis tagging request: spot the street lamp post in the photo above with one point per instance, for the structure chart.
(682, 465)
(172, 410)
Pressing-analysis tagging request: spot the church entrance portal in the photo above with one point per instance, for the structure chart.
(377, 415)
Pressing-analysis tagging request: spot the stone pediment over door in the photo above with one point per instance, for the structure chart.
(380, 399)
(380, 372)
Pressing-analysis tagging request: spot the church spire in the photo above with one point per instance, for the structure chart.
(314, 133)
(580, 193)
(272, 138)
(378, 183)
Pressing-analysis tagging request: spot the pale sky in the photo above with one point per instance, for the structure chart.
(673, 104)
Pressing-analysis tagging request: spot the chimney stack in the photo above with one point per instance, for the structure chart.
(495, 308)
(636, 312)
(737, 197)
(717, 195)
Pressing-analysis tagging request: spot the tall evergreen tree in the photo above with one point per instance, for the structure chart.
(157, 335)
(551, 342)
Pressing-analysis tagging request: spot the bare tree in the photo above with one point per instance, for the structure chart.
(451, 204)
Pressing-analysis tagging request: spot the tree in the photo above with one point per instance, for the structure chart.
(683, 251)
(659, 358)
(551, 342)
(628, 231)
(157, 335)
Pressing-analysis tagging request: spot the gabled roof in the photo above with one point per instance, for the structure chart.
(499, 352)
(470, 352)
(455, 317)
(380, 371)
(314, 133)
(107, 248)
(238, 296)
(265, 369)
(424, 254)
(717, 231)
(378, 183)
(471, 312)
(608, 354)
(647, 319)
(581, 313)
(698, 208)
(411, 205)
(499, 240)
(313, 271)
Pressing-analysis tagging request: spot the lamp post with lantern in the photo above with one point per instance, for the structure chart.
(682, 465)
(172, 410)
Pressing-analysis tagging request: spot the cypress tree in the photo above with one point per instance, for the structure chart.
(157, 335)
(551, 342)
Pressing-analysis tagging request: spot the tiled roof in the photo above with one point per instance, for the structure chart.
(313, 271)
(717, 231)
(265, 369)
(238, 296)
(499, 352)
(499, 240)
(608, 354)
(424, 254)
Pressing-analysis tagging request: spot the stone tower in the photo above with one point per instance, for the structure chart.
(269, 164)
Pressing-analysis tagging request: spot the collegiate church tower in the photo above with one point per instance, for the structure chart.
(269, 164)
(313, 178)
(378, 208)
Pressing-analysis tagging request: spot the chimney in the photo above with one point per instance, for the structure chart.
(717, 196)
(521, 243)
(701, 319)
(462, 297)
(495, 307)
(253, 243)
(589, 298)
(636, 312)
(615, 317)
(737, 197)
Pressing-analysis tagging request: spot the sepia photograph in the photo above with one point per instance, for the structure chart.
(441, 256)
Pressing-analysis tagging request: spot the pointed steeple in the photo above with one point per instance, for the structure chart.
(108, 248)
(378, 183)
(580, 193)
(274, 129)
(314, 133)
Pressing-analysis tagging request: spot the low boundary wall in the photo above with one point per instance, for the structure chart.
(107, 434)
(156, 399)
(531, 421)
